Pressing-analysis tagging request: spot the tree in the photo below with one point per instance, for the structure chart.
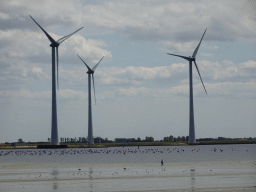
(166, 139)
(149, 139)
(84, 140)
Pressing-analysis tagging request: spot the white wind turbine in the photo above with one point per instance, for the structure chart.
(90, 73)
(192, 138)
(55, 44)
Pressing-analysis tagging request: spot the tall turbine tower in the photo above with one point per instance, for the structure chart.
(90, 73)
(192, 138)
(55, 44)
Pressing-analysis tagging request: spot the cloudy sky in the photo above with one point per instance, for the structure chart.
(140, 90)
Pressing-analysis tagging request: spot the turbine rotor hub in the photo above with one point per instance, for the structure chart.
(54, 44)
(192, 58)
(90, 72)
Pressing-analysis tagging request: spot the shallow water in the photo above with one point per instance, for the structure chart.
(186, 168)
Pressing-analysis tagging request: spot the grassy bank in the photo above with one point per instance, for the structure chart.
(223, 142)
(105, 145)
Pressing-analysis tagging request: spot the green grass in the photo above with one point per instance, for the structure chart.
(144, 144)
(227, 142)
(105, 145)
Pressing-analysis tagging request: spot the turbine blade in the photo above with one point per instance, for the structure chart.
(187, 58)
(66, 37)
(97, 64)
(49, 37)
(89, 69)
(57, 52)
(94, 88)
(200, 77)
(196, 50)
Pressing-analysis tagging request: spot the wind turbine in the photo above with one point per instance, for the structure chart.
(191, 59)
(90, 73)
(54, 44)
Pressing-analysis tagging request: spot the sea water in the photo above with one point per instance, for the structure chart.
(186, 168)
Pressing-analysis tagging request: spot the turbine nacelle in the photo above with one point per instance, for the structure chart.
(192, 58)
(54, 44)
(90, 72)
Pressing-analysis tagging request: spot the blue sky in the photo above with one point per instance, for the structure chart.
(140, 90)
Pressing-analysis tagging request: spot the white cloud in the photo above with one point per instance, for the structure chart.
(227, 70)
(89, 49)
(249, 64)
(17, 74)
(206, 54)
(23, 51)
(137, 75)
(229, 89)
(175, 47)
(42, 95)
(175, 21)
(19, 43)
(211, 72)
(226, 89)
(4, 16)
(26, 44)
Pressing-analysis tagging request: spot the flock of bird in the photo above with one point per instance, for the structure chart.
(97, 151)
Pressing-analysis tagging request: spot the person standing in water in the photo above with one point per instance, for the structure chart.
(162, 162)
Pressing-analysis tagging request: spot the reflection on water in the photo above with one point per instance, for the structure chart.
(90, 173)
(55, 174)
(193, 179)
(91, 170)
(91, 179)
(55, 186)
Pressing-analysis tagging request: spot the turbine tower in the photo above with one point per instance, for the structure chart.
(191, 59)
(90, 73)
(55, 44)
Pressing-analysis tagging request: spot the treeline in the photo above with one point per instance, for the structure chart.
(225, 139)
(97, 140)
(125, 140)
(83, 140)
(147, 139)
(102, 140)
(175, 139)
